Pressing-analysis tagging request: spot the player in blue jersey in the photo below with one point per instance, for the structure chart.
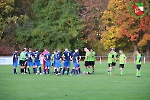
(30, 58)
(15, 61)
(37, 61)
(76, 58)
(57, 60)
(48, 62)
(55, 55)
(66, 57)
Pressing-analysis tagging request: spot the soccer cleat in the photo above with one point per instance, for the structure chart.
(41, 74)
(70, 74)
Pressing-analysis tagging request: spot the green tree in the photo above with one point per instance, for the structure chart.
(8, 26)
(12, 13)
(56, 24)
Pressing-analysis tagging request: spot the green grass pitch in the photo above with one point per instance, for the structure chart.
(98, 86)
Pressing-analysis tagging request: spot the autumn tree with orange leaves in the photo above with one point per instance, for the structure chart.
(123, 30)
(91, 12)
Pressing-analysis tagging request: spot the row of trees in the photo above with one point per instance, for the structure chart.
(98, 24)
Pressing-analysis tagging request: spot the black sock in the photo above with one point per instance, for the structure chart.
(29, 70)
(68, 71)
(72, 71)
(63, 71)
(14, 70)
(40, 69)
(21, 70)
(45, 70)
(79, 70)
(60, 70)
(56, 71)
(93, 69)
(34, 70)
(48, 70)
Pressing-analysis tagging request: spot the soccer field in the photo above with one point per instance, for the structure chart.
(98, 86)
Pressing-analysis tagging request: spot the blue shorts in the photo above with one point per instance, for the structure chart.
(15, 63)
(66, 63)
(30, 64)
(37, 63)
(76, 65)
(48, 64)
(57, 63)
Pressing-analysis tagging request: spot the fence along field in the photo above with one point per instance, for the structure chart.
(7, 60)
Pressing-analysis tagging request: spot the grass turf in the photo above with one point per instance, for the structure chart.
(98, 86)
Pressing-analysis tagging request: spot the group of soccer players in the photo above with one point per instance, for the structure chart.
(32, 59)
(113, 57)
(29, 59)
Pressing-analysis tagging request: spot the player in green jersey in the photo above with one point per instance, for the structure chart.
(92, 59)
(114, 60)
(138, 63)
(110, 62)
(22, 61)
(122, 59)
(86, 64)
